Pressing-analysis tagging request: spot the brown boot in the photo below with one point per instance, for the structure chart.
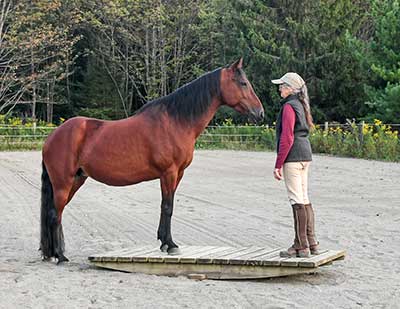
(300, 245)
(311, 230)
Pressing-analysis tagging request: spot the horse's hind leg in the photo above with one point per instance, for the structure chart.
(54, 196)
(61, 199)
(79, 180)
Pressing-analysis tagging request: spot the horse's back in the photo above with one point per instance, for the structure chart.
(71, 131)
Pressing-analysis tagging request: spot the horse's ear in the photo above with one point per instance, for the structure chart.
(238, 64)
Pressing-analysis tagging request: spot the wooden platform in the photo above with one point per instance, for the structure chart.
(213, 262)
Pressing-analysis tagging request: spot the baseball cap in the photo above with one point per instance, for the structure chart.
(294, 80)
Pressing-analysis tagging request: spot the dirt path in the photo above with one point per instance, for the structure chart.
(225, 198)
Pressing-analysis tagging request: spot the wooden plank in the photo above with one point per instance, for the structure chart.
(273, 261)
(227, 250)
(98, 257)
(161, 258)
(156, 259)
(224, 259)
(157, 256)
(253, 258)
(211, 271)
(127, 256)
(187, 251)
(146, 250)
(204, 257)
(113, 256)
(241, 258)
(323, 258)
(290, 261)
(144, 255)
(294, 261)
(261, 253)
(210, 256)
(211, 250)
(260, 260)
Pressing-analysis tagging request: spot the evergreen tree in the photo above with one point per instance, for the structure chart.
(385, 62)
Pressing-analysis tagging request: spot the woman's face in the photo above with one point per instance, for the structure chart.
(285, 90)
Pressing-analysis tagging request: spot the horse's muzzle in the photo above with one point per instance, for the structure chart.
(256, 115)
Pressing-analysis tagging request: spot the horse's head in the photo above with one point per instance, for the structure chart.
(237, 92)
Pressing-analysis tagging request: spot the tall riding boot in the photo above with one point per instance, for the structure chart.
(311, 230)
(300, 246)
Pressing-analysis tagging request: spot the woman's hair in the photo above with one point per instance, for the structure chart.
(305, 101)
(298, 85)
(302, 93)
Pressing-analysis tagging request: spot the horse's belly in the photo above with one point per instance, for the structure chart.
(121, 178)
(119, 172)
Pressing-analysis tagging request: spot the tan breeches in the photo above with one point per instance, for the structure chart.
(296, 181)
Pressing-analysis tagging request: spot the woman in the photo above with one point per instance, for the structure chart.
(293, 160)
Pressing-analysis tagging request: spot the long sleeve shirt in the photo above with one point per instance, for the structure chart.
(287, 135)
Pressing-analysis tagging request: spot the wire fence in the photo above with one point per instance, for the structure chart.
(248, 137)
(23, 137)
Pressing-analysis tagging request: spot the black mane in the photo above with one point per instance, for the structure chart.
(189, 101)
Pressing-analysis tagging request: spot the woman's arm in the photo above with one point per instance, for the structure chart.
(287, 135)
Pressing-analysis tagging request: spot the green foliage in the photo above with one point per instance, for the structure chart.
(369, 141)
(309, 37)
(16, 134)
(375, 141)
(384, 61)
(115, 55)
(41, 33)
(230, 136)
(99, 113)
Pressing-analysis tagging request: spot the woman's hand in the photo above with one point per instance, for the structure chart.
(278, 173)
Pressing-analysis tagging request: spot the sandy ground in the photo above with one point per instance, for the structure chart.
(225, 198)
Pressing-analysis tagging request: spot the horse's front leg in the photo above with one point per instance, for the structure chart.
(169, 183)
(164, 229)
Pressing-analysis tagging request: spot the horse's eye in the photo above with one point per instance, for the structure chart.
(243, 83)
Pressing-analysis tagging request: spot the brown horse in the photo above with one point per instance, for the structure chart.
(157, 142)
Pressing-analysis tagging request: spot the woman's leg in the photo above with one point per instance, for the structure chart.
(292, 172)
(304, 181)
(312, 241)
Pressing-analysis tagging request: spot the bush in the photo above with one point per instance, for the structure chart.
(375, 141)
(22, 134)
(369, 141)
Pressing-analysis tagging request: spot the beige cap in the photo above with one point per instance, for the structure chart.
(294, 80)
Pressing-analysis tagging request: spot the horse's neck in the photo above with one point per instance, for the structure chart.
(203, 121)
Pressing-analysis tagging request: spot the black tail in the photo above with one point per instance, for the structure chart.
(51, 233)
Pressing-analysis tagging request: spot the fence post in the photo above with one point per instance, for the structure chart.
(361, 132)
(326, 126)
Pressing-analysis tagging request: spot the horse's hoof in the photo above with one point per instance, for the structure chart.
(164, 248)
(174, 251)
(62, 259)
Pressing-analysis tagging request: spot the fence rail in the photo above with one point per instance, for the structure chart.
(350, 139)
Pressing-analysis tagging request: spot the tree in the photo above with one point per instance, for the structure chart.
(10, 90)
(41, 33)
(309, 37)
(384, 62)
(144, 48)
